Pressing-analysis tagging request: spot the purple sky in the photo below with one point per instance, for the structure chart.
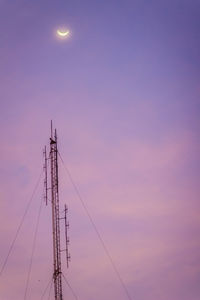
(123, 93)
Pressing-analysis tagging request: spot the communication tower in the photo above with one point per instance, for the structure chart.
(54, 198)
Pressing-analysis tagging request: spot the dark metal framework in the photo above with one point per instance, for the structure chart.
(53, 157)
(57, 275)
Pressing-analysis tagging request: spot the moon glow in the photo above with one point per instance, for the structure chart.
(63, 34)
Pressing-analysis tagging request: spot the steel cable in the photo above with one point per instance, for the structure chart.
(69, 285)
(46, 288)
(20, 224)
(33, 250)
(97, 231)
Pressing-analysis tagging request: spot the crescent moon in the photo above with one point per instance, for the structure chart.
(63, 33)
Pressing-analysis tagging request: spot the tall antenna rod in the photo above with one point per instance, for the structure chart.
(45, 172)
(66, 236)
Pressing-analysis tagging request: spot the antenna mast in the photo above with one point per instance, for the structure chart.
(53, 157)
(57, 275)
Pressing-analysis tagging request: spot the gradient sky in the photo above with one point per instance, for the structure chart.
(124, 95)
